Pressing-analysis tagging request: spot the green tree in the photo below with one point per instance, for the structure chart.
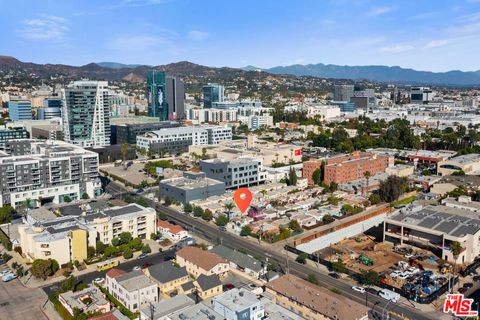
(302, 258)
(41, 269)
(167, 201)
(374, 198)
(317, 176)
(221, 220)
(127, 253)
(146, 248)
(100, 247)
(162, 216)
(187, 207)
(312, 279)
(67, 199)
(229, 207)
(207, 215)
(90, 252)
(85, 196)
(197, 211)
(292, 177)
(367, 176)
(327, 219)
(6, 214)
(110, 251)
(125, 237)
(392, 188)
(295, 226)
(339, 267)
(369, 277)
(246, 230)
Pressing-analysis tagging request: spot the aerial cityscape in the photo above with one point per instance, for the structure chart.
(239, 160)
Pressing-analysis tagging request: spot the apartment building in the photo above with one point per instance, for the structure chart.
(176, 140)
(313, 302)
(241, 172)
(238, 304)
(8, 134)
(198, 261)
(45, 171)
(134, 289)
(347, 168)
(67, 238)
(86, 113)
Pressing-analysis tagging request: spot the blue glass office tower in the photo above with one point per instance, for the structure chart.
(20, 110)
(212, 92)
(157, 95)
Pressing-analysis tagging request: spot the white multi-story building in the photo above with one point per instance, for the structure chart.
(86, 113)
(67, 238)
(238, 304)
(257, 121)
(134, 289)
(325, 112)
(46, 171)
(178, 139)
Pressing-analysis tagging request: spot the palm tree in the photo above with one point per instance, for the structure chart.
(229, 206)
(367, 176)
(263, 192)
(124, 150)
(456, 249)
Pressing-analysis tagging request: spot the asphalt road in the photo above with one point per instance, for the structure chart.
(215, 235)
(126, 266)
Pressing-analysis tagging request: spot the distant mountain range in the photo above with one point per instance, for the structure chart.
(113, 71)
(116, 65)
(378, 73)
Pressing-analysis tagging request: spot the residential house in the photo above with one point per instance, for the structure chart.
(241, 261)
(208, 286)
(198, 261)
(167, 277)
(171, 231)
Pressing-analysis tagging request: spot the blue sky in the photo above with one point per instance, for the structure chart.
(435, 35)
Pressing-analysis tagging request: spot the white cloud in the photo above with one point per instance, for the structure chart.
(378, 11)
(299, 60)
(424, 16)
(436, 43)
(397, 48)
(47, 28)
(198, 35)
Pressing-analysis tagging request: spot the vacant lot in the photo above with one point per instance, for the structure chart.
(20, 303)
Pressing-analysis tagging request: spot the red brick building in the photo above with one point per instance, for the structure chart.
(347, 168)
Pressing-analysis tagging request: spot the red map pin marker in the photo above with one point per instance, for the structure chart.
(243, 198)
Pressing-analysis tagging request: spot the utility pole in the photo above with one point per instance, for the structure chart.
(152, 311)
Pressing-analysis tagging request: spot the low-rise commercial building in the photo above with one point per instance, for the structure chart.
(191, 186)
(134, 289)
(242, 172)
(313, 302)
(175, 140)
(46, 171)
(128, 132)
(468, 163)
(436, 227)
(198, 261)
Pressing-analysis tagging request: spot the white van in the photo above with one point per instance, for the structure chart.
(389, 295)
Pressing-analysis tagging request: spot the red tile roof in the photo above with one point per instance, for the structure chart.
(167, 225)
(113, 273)
(202, 258)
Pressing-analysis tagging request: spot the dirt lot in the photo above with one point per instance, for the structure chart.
(133, 174)
(382, 254)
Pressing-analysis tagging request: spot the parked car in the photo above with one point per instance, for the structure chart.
(358, 289)
(228, 286)
(334, 275)
(468, 285)
(9, 277)
(136, 268)
(476, 278)
(98, 280)
(4, 272)
(252, 285)
(142, 256)
(146, 265)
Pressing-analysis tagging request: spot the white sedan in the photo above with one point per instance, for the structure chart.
(98, 280)
(358, 289)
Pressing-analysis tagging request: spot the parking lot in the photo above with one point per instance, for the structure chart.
(20, 303)
(133, 174)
